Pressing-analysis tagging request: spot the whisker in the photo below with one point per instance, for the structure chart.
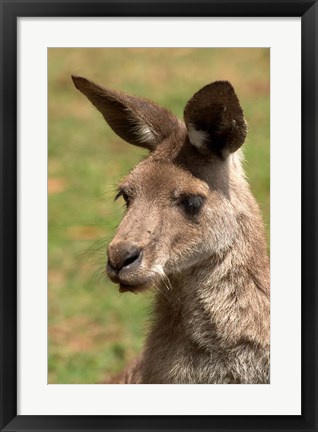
(109, 190)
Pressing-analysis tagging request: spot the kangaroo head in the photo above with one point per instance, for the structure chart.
(181, 199)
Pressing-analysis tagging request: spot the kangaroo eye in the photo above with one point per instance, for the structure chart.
(124, 195)
(192, 204)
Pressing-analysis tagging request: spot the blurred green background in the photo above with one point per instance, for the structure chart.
(93, 330)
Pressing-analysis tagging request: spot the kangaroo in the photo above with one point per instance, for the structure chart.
(193, 232)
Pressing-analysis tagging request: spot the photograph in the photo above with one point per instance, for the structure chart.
(159, 218)
(158, 185)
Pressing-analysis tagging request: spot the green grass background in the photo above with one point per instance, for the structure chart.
(93, 330)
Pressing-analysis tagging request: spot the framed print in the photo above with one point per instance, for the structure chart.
(66, 337)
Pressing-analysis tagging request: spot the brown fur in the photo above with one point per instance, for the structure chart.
(193, 232)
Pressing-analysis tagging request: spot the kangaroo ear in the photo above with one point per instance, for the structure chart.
(215, 121)
(136, 120)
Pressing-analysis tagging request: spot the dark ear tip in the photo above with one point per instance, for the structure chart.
(224, 85)
(79, 81)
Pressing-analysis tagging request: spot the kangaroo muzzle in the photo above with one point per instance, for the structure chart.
(123, 261)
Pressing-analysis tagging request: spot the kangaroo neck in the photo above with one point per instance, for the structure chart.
(219, 300)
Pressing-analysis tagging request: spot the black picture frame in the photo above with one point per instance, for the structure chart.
(10, 11)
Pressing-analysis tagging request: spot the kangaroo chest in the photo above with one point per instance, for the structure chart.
(173, 356)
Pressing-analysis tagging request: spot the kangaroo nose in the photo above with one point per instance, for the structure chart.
(122, 256)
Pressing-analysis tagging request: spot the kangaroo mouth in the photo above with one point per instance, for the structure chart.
(130, 284)
(132, 288)
(130, 281)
